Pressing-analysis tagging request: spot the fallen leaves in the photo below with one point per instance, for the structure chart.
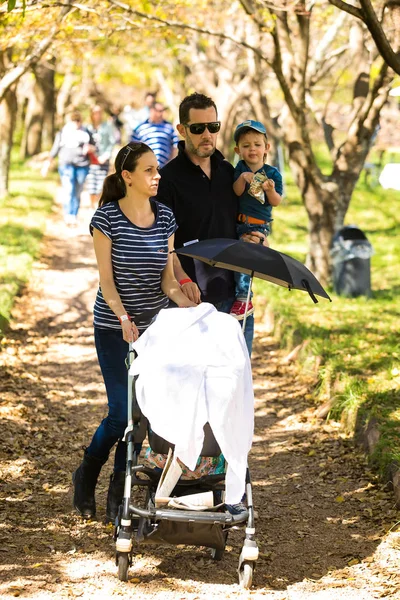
(320, 509)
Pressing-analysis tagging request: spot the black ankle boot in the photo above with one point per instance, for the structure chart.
(84, 480)
(115, 495)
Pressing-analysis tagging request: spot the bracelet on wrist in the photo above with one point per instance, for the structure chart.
(183, 281)
(123, 318)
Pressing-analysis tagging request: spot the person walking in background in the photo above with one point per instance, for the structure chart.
(157, 133)
(133, 116)
(72, 145)
(104, 138)
(133, 236)
(117, 123)
(197, 186)
(143, 113)
(259, 188)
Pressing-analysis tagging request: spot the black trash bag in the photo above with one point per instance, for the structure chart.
(351, 253)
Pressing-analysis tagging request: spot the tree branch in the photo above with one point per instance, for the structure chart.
(38, 50)
(352, 10)
(368, 15)
(186, 26)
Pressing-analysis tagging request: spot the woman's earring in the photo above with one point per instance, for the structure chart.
(130, 185)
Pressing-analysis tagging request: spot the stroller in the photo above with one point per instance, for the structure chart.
(152, 525)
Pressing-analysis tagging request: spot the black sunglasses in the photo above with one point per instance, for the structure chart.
(198, 128)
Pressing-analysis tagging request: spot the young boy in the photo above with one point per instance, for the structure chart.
(259, 187)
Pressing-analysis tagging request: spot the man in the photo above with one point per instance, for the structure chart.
(158, 134)
(197, 186)
(143, 113)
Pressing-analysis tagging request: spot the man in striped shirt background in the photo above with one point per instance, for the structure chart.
(158, 134)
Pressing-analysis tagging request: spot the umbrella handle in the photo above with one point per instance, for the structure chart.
(247, 301)
(308, 288)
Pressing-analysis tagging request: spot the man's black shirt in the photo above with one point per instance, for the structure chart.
(204, 208)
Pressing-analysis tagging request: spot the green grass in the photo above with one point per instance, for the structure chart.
(356, 340)
(23, 217)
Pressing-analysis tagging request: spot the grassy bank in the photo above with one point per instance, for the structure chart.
(354, 343)
(22, 222)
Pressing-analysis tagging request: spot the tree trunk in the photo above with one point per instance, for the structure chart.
(39, 118)
(63, 100)
(353, 152)
(8, 111)
(319, 197)
(45, 75)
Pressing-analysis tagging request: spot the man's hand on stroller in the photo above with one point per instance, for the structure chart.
(130, 332)
(188, 303)
(191, 291)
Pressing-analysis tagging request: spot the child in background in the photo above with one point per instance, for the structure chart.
(259, 187)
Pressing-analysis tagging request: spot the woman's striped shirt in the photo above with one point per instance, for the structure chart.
(139, 256)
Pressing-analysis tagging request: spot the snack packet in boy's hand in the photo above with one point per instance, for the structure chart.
(255, 188)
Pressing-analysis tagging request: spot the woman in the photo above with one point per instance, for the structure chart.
(133, 236)
(104, 138)
(72, 145)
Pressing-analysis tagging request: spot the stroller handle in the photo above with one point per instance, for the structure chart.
(130, 356)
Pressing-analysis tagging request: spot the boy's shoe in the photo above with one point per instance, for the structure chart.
(236, 509)
(238, 309)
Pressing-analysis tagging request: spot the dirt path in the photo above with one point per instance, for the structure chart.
(323, 518)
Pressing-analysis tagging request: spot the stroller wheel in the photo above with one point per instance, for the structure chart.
(246, 574)
(217, 554)
(123, 566)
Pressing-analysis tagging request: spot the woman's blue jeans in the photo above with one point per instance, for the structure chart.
(72, 180)
(112, 351)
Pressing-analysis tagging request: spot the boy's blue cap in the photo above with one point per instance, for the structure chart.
(256, 125)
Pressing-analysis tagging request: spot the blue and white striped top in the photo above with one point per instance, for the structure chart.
(160, 137)
(139, 256)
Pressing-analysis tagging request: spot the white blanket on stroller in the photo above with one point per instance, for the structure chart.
(194, 368)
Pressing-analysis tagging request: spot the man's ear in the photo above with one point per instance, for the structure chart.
(181, 129)
(237, 150)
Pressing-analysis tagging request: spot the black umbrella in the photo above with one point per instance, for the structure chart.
(257, 261)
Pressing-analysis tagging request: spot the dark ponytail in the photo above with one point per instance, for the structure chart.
(114, 187)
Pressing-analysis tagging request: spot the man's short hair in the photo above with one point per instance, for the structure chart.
(157, 105)
(198, 101)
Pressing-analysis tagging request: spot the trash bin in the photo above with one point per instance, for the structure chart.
(351, 261)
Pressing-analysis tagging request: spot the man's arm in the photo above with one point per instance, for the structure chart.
(166, 195)
(190, 289)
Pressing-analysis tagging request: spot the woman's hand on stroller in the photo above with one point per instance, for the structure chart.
(130, 332)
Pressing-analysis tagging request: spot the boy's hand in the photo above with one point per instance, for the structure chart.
(248, 177)
(268, 185)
